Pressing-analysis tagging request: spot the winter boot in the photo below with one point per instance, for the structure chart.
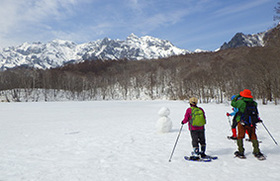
(202, 153)
(234, 135)
(259, 156)
(239, 155)
(247, 134)
(195, 154)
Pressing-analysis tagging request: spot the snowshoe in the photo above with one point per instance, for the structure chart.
(203, 155)
(194, 158)
(197, 159)
(239, 155)
(210, 157)
(232, 138)
(259, 156)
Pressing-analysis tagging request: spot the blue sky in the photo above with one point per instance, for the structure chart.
(188, 24)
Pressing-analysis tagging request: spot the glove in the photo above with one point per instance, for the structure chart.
(228, 114)
(182, 122)
(259, 120)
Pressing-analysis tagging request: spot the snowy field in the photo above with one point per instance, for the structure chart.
(118, 141)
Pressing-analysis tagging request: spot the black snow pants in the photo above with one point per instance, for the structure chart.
(198, 137)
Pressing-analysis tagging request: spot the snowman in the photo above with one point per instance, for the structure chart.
(164, 123)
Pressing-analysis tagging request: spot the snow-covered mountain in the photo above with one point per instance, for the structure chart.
(59, 52)
(242, 40)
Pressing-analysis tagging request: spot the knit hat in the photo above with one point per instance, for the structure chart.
(193, 101)
(246, 93)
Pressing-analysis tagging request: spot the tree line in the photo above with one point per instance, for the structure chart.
(208, 76)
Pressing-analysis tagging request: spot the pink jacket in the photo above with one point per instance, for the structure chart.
(188, 117)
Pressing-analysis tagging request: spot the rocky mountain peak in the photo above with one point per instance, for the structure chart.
(242, 40)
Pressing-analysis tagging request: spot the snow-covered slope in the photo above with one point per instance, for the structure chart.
(133, 48)
(118, 141)
(58, 52)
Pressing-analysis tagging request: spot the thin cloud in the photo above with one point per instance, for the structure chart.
(161, 19)
(20, 18)
(239, 8)
(135, 5)
(8, 14)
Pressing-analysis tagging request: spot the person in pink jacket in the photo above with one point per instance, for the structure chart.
(195, 117)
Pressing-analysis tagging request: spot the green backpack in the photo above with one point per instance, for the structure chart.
(197, 117)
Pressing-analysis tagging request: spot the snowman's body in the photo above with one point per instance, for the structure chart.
(164, 123)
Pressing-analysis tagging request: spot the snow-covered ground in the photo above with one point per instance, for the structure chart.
(118, 141)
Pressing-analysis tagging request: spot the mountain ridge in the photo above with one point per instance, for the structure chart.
(59, 52)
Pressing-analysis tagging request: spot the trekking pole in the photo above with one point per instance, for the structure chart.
(229, 121)
(269, 134)
(229, 124)
(176, 143)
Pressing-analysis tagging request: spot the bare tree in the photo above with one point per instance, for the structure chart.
(276, 17)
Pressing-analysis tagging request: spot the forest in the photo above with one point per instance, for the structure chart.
(209, 76)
